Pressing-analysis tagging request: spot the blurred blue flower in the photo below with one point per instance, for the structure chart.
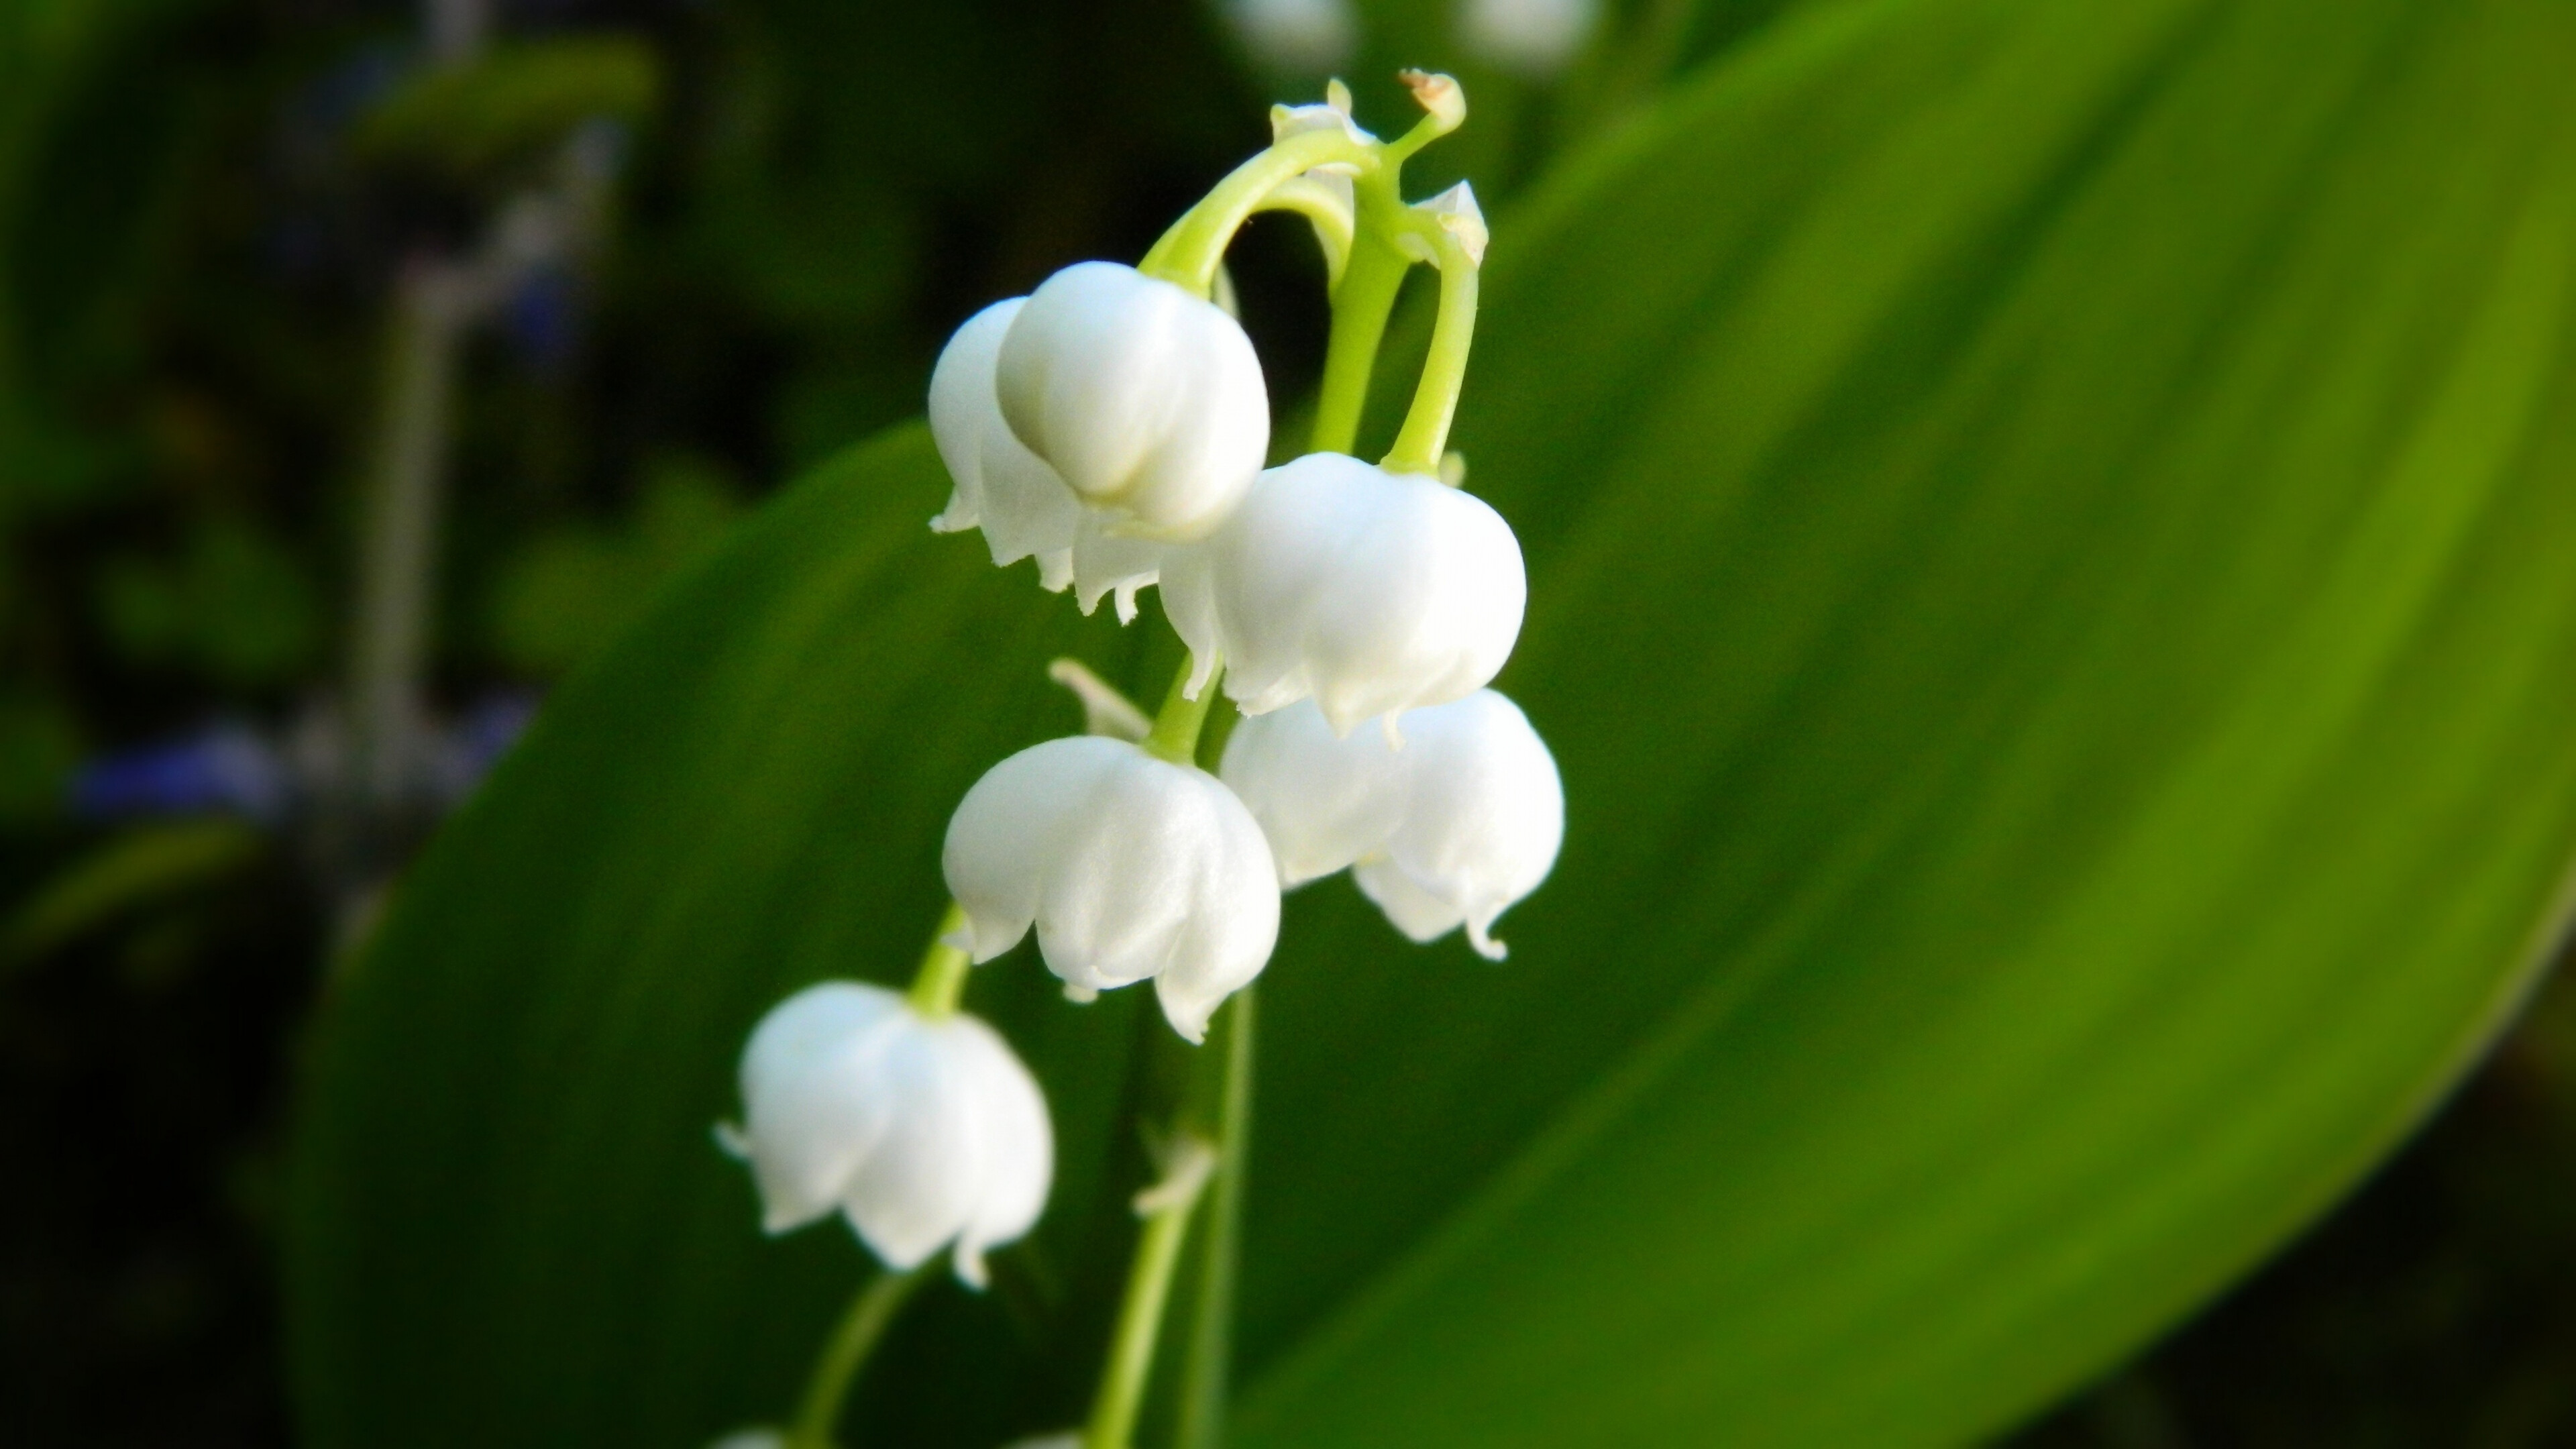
(542, 317)
(231, 768)
(228, 768)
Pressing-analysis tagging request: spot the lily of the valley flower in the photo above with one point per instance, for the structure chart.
(1129, 866)
(1450, 830)
(1371, 592)
(1010, 493)
(922, 1130)
(1146, 400)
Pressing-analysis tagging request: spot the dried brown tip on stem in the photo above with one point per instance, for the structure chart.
(1438, 94)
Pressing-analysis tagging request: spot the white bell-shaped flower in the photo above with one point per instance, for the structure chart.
(922, 1130)
(1146, 400)
(1129, 866)
(1024, 509)
(1371, 592)
(1448, 831)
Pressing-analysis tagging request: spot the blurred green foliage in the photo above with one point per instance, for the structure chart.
(234, 605)
(38, 746)
(151, 862)
(567, 591)
(511, 103)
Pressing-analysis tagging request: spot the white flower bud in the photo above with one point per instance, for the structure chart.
(1146, 400)
(1129, 866)
(1333, 114)
(1001, 487)
(1450, 830)
(1372, 592)
(921, 1130)
(1458, 214)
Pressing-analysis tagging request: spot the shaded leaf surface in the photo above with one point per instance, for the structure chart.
(2052, 585)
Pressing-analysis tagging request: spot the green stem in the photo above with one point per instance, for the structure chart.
(860, 1329)
(1435, 400)
(1333, 225)
(1425, 131)
(942, 977)
(1189, 252)
(1361, 305)
(1177, 725)
(1140, 1317)
(1211, 1348)
(398, 553)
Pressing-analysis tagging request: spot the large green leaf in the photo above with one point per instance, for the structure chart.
(2053, 577)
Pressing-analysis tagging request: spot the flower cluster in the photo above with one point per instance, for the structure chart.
(1112, 426)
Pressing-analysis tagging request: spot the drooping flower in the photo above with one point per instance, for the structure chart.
(1146, 400)
(1371, 592)
(922, 1130)
(1449, 831)
(1129, 866)
(999, 486)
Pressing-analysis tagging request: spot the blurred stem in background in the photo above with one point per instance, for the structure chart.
(456, 29)
(382, 792)
(1207, 1366)
(1188, 1164)
(871, 1312)
(433, 304)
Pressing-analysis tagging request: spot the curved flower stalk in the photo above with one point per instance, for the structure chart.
(1371, 592)
(922, 1129)
(1130, 868)
(1451, 830)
